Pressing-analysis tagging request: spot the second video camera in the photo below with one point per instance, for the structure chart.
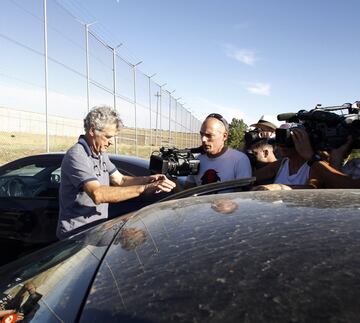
(327, 130)
(175, 162)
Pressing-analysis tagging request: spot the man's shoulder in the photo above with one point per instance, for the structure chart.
(76, 154)
(235, 153)
(75, 150)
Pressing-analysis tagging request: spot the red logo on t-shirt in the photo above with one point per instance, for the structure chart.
(210, 176)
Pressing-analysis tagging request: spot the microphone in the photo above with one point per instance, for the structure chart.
(286, 116)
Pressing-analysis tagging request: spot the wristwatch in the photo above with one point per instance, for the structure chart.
(314, 158)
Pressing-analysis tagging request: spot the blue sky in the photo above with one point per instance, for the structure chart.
(235, 57)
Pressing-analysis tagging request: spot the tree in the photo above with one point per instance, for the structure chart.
(237, 128)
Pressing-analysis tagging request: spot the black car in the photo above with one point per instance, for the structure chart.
(29, 203)
(278, 256)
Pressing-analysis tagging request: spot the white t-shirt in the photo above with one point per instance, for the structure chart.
(299, 178)
(231, 165)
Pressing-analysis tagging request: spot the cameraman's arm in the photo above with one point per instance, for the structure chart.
(338, 155)
(267, 172)
(322, 175)
(302, 143)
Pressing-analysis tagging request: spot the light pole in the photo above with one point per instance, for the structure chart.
(170, 93)
(160, 123)
(46, 77)
(135, 106)
(87, 64)
(183, 114)
(176, 120)
(114, 84)
(150, 106)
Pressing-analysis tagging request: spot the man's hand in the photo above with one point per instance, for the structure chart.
(338, 155)
(302, 143)
(272, 187)
(156, 177)
(159, 183)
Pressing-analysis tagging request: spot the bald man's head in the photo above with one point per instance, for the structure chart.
(213, 134)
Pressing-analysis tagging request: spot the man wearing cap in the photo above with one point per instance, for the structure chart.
(267, 123)
(218, 163)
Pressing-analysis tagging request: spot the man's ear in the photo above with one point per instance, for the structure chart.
(265, 153)
(92, 131)
(226, 135)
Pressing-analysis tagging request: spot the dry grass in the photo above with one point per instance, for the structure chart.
(18, 144)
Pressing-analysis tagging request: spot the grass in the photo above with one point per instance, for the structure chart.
(14, 145)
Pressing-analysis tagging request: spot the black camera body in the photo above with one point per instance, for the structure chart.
(283, 137)
(252, 136)
(175, 162)
(327, 130)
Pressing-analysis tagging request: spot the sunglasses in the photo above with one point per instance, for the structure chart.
(220, 118)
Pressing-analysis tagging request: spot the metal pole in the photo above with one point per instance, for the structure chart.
(157, 116)
(87, 64)
(87, 67)
(135, 108)
(161, 130)
(46, 77)
(170, 115)
(150, 107)
(176, 122)
(114, 86)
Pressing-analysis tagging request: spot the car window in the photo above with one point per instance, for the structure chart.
(27, 170)
(33, 179)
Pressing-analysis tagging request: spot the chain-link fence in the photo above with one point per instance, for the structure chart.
(55, 68)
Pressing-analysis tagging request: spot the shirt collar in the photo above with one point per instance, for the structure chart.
(82, 141)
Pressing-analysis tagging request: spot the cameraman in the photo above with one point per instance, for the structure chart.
(301, 159)
(219, 162)
(294, 168)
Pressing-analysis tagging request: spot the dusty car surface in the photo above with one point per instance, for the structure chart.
(286, 256)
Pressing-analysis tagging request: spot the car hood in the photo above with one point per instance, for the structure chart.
(283, 256)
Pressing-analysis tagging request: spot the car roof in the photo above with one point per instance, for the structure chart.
(283, 256)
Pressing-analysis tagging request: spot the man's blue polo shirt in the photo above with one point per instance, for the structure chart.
(79, 166)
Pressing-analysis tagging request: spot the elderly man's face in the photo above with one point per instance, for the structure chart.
(213, 136)
(102, 139)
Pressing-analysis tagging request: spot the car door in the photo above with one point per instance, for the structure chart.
(29, 198)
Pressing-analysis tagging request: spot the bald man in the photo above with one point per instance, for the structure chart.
(219, 163)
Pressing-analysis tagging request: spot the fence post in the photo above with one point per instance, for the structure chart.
(135, 106)
(47, 146)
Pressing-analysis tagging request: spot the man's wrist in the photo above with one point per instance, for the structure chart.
(314, 158)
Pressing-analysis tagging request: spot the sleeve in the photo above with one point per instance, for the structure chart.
(242, 166)
(78, 170)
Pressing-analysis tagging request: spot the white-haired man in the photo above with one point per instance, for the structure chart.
(89, 180)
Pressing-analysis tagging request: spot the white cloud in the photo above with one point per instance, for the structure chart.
(245, 56)
(259, 88)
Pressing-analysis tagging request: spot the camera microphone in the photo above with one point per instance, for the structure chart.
(286, 116)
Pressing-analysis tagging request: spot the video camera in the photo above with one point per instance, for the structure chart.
(252, 136)
(175, 162)
(327, 130)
